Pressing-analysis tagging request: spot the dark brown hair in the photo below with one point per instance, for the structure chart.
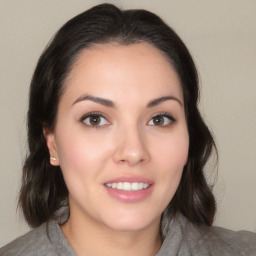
(43, 187)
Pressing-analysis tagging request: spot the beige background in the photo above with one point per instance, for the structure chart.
(222, 38)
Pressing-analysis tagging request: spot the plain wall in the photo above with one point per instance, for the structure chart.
(221, 36)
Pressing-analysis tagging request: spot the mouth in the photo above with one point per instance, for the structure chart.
(129, 189)
(128, 186)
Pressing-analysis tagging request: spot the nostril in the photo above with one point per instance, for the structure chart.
(131, 149)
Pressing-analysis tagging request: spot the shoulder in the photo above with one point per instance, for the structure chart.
(219, 241)
(35, 242)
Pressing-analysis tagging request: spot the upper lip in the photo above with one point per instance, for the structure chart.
(130, 179)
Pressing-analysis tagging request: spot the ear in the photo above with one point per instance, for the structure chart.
(51, 144)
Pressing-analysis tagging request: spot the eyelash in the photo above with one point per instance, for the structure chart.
(170, 118)
(96, 114)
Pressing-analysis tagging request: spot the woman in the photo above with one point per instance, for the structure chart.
(117, 146)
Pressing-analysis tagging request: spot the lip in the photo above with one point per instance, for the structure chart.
(130, 179)
(130, 196)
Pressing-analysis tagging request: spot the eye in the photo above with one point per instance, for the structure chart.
(95, 120)
(161, 120)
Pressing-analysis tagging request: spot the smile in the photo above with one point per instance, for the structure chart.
(128, 186)
(129, 189)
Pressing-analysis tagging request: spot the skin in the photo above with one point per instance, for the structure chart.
(127, 142)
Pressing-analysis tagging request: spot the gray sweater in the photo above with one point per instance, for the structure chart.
(181, 238)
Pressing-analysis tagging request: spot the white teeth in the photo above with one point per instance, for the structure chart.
(127, 186)
(135, 186)
(119, 185)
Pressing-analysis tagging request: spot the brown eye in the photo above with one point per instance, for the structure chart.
(161, 120)
(158, 120)
(95, 120)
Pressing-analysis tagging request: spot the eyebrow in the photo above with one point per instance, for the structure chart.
(157, 101)
(102, 101)
(109, 103)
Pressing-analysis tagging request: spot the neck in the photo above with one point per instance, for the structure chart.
(88, 237)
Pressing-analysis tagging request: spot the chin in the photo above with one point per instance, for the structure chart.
(131, 222)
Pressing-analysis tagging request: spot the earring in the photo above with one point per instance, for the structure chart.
(52, 158)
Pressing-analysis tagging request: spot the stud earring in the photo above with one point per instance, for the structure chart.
(52, 158)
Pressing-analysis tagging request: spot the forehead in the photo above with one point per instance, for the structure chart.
(136, 69)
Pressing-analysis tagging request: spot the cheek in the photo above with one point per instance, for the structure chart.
(82, 154)
(82, 159)
(171, 156)
(172, 153)
(172, 159)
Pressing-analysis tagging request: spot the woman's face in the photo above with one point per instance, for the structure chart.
(121, 137)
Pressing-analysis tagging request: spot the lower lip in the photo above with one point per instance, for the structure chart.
(130, 196)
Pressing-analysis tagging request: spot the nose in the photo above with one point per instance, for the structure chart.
(131, 147)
